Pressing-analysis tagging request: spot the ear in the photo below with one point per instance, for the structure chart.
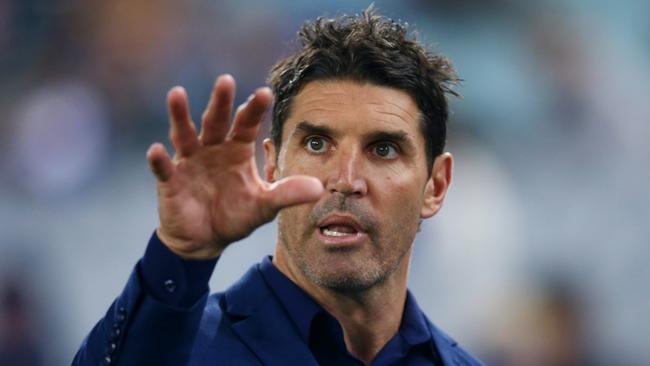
(437, 185)
(270, 160)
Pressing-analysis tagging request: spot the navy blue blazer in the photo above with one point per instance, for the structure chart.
(245, 325)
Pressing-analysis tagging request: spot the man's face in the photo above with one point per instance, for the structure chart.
(364, 143)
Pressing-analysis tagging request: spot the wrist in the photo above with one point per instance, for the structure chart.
(188, 250)
(171, 279)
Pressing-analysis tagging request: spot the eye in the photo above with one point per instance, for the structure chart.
(316, 144)
(385, 150)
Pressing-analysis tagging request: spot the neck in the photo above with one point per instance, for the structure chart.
(369, 318)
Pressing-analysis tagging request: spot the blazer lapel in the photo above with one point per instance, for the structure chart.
(445, 346)
(262, 324)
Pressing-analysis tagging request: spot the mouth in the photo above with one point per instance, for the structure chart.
(337, 229)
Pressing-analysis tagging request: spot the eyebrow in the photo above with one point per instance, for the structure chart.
(308, 128)
(400, 137)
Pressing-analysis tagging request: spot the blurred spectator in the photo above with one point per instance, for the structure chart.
(540, 327)
(19, 343)
(60, 138)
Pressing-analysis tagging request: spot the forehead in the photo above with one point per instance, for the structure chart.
(351, 105)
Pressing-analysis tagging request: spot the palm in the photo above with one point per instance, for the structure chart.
(217, 196)
(210, 194)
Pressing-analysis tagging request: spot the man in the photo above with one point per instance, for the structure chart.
(354, 163)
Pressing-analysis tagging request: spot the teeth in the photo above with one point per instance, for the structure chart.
(329, 232)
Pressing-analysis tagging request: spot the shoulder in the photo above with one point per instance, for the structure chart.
(450, 351)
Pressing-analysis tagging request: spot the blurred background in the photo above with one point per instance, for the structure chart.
(540, 256)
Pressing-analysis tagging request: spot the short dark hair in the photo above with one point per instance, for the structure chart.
(370, 48)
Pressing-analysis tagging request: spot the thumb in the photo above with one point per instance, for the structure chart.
(293, 191)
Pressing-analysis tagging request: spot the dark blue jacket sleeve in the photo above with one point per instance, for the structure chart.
(156, 318)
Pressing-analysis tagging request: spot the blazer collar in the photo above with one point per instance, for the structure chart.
(262, 323)
(448, 348)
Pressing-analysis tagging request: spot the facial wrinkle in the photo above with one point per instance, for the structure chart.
(403, 109)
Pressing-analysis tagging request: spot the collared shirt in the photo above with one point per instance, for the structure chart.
(412, 345)
(178, 282)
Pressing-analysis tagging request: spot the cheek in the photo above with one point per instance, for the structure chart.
(298, 163)
(287, 216)
(292, 221)
(400, 200)
(398, 189)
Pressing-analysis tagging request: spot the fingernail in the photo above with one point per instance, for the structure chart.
(264, 88)
(224, 77)
(176, 89)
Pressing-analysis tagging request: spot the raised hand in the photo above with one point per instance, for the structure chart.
(210, 194)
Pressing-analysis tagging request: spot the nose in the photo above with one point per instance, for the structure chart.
(345, 175)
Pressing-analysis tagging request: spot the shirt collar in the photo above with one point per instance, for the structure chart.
(302, 309)
(414, 327)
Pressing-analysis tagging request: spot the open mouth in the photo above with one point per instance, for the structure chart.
(338, 230)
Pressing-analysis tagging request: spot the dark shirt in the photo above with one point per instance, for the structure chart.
(179, 282)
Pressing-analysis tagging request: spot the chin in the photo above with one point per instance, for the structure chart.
(346, 284)
(344, 277)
